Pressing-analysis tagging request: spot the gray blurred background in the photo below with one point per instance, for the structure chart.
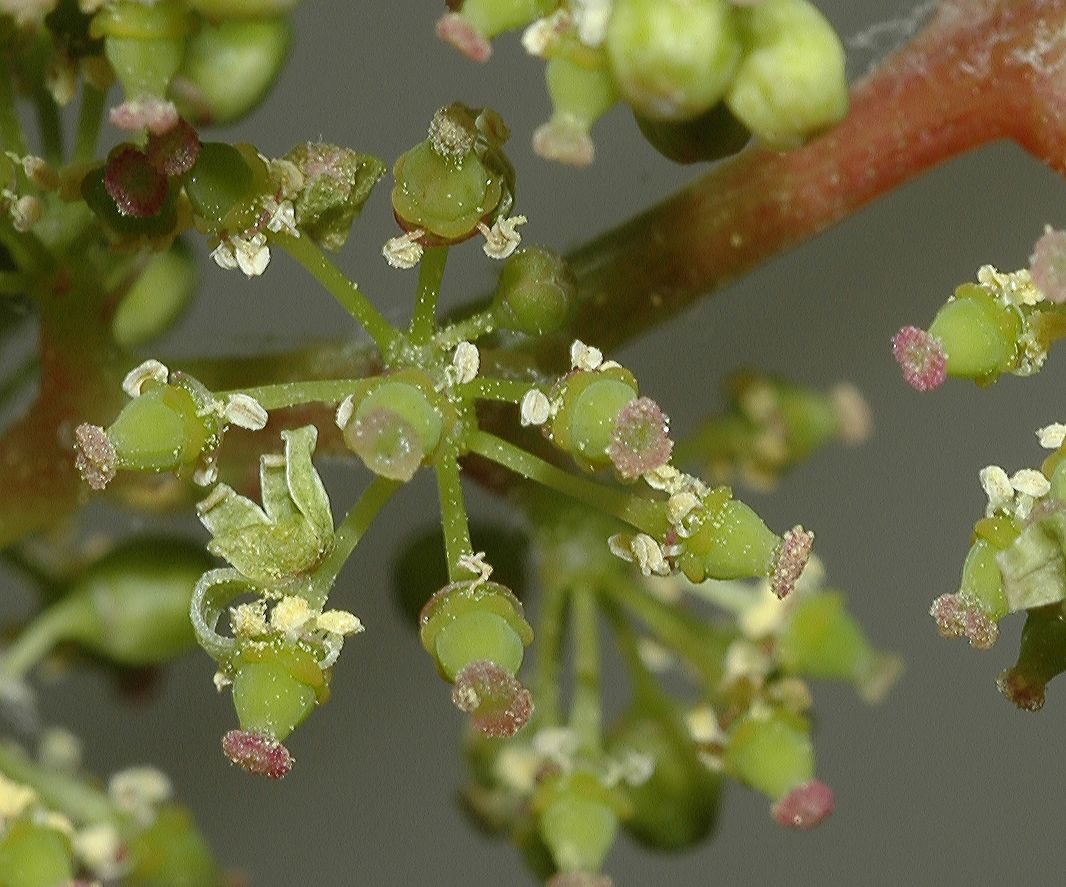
(945, 782)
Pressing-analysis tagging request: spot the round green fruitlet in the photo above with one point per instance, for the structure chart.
(579, 826)
(171, 852)
(220, 10)
(132, 605)
(733, 543)
(228, 69)
(535, 292)
(492, 17)
(822, 641)
(220, 179)
(712, 135)
(159, 430)
(409, 402)
(476, 637)
(157, 298)
(772, 754)
(144, 44)
(34, 856)
(580, 86)
(672, 59)
(591, 402)
(469, 622)
(677, 806)
(443, 196)
(982, 581)
(978, 333)
(275, 688)
(791, 82)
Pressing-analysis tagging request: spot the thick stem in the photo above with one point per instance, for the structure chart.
(547, 667)
(950, 90)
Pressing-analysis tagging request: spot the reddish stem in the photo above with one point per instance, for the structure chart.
(979, 71)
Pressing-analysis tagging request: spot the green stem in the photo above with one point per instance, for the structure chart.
(291, 394)
(644, 686)
(38, 639)
(547, 669)
(356, 522)
(503, 390)
(90, 116)
(586, 709)
(700, 643)
(12, 283)
(453, 516)
(10, 127)
(467, 330)
(65, 793)
(430, 274)
(645, 514)
(351, 298)
(49, 124)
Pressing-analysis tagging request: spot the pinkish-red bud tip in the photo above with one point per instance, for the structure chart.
(136, 186)
(498, 703)
(921, 358)
(174, 152)
(805, 807)
(956, 617)
(454, 30)
(1028, 695)
(640, 441)
(257, 753)
(792, 557)
(1048, 265)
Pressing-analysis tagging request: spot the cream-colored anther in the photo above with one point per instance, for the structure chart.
(149, 370)
(466, 361)
(585, 357)
(404, 251)
(1030, 482)
(339, 622)
(535, 408)
(245, 411)
(1051, 437)
(502, 239)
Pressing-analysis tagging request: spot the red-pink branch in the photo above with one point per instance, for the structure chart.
(979, 71)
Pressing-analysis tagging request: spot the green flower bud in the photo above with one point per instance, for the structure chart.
(534, 293)
(725, 539)
(218, 10)
(143, 43)
(131, 606)
(672, 59)
(468, 622)
(713, 135)
(397, 426)
(292, 531)
(34, 855)
(981, 601)
(443, 187)
(478, 21)
(276, 686)
(791, 82)
(582, 91)
(222, 185)
(771, 753)
(978, 334)
(162, 429)
(157, 297)
(171, 852)
(591, 402)
(336, 183)
(229, 68)
(578, 821)
(821, 640)
(677, 806)
(1042, 656)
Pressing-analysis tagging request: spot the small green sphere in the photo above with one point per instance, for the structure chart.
(535, 292)
(478, 636)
